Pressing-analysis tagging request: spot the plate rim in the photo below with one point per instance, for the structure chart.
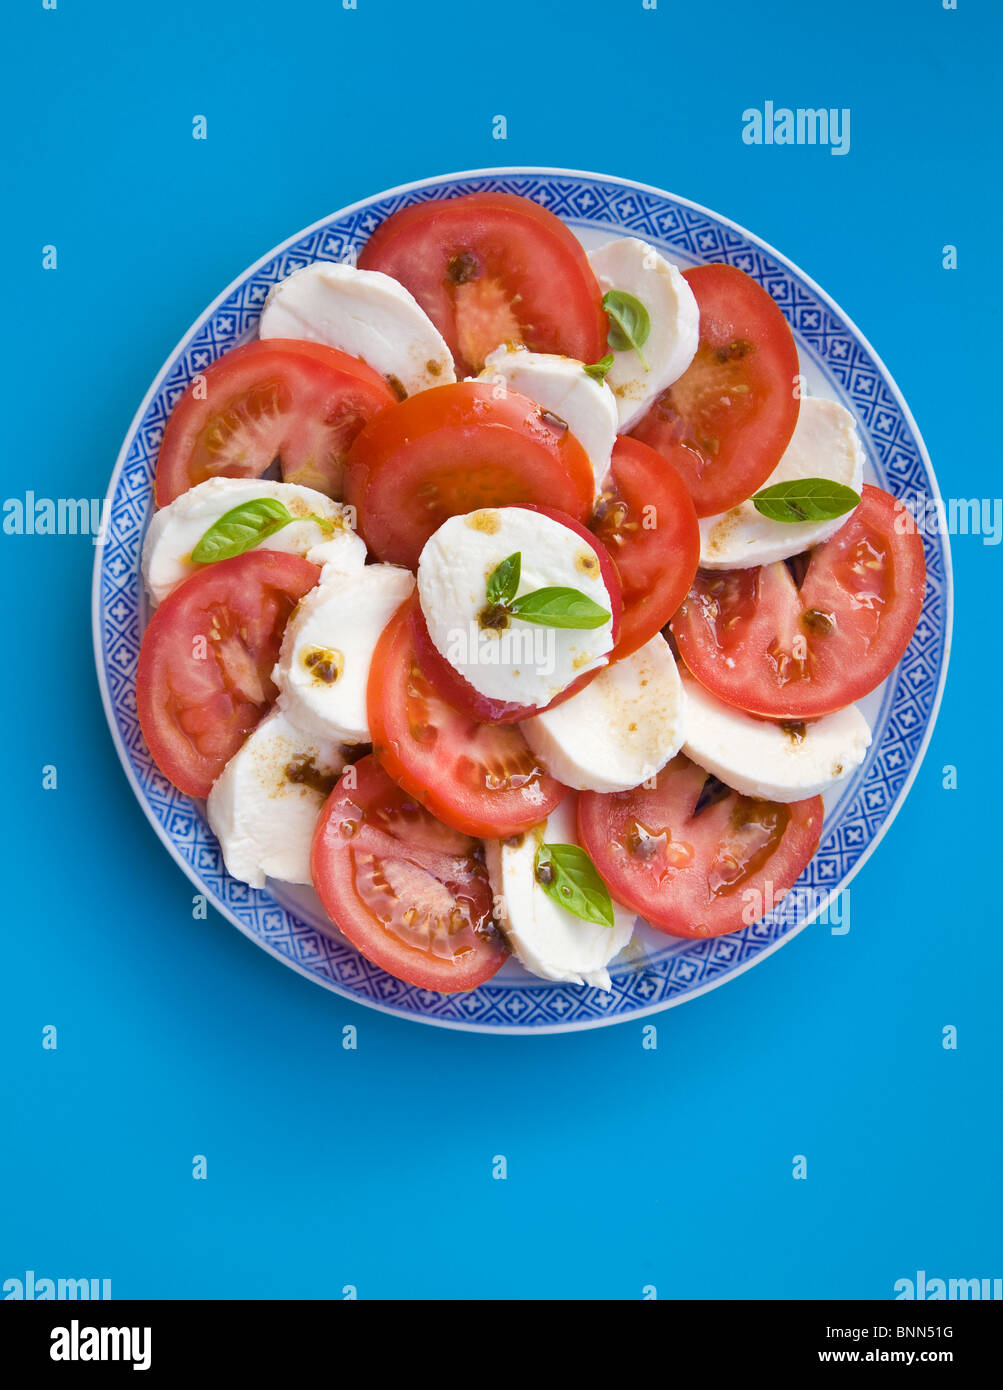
(473, 1026)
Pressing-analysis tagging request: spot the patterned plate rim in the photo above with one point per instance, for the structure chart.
(473, 1025)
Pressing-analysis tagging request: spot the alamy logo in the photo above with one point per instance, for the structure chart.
(30, 1288)
(779, 125)
(925, 1289)
(529, 648)
(76, 1343)
(56, 516)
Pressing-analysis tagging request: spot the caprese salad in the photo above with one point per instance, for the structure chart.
(507, 593)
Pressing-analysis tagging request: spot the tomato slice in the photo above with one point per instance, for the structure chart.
(692, 857)
(300, 402)
(410, 893)
(646, 520)
(455, 449)
(756, 641)
(733, 410)
(493, 268)
(478, 778)
(205, 665)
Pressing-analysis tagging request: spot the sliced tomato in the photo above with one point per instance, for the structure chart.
(734, 409)
(478, 778)
(409, 892)
(493, 268)
(758, 642)
(298, 402)
(458, 690)
(691, 856)
(646, 520)
(205, 665)
(456, 449)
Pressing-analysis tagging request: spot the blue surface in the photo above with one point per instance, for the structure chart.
(177, 1037)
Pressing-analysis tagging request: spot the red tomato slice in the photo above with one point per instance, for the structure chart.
(756, 641)
(458, 690)
(456, 449)
(647, 522)
(733, 410)
(205, 665)
(697, 862)
(300, 402)
(478, 778)
(410, 893)
(493, 268)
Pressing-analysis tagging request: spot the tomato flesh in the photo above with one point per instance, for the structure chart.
(302, 403)
(456, 449)
(757, 641)
(409, 892)
(694, 858)
(205, 665)
(493, 268)
(728, 419)
(647, 523)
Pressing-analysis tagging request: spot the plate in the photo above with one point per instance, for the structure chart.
(656, 972)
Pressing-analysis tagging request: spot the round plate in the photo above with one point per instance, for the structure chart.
(656, 971)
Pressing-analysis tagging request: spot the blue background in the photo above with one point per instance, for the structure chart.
(177, 1037)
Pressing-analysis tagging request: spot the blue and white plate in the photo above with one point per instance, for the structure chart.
(656, 971)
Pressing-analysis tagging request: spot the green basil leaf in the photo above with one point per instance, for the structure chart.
(558, 607)
(568, 875)
(629, 322)
(805, 499)
(597, 370)
(241, 528)
(503, 581)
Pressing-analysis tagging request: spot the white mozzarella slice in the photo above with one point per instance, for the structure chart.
(825, 444)
(547, 939)
(327, 649)
(263, 807)
(365, 313)
(343, 553)
(175, 530)
(637, 268)
(620, 730)
(775, 761)
(525, 663)
(562, 386)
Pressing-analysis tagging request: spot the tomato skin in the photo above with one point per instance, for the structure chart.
(204, 676)
(490, 268)
(758, 643)
(300, 401)
(696, 875)
(656, 566)
(458, 691)
(445, 759)
(456, 449)
(423, 867)
(728, 419)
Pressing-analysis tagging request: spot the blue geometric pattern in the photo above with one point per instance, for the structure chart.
(679, 970)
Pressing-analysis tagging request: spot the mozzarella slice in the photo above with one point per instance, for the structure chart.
(365, 313)
(327, 649)
(562, 386)
(263, 807)
(175, 530)
(524, 663)
(620, 730)
(775, 761)
(825, 444)
(343, 553)
(634, 266)
(547, 939)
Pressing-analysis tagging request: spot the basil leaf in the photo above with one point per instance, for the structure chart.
(568, 875)
(805, 499)
(630, 323)
(558, 607)
(503, 581)
(241, 528)
(597, 370)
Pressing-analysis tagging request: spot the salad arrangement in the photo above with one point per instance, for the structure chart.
(550, 611)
